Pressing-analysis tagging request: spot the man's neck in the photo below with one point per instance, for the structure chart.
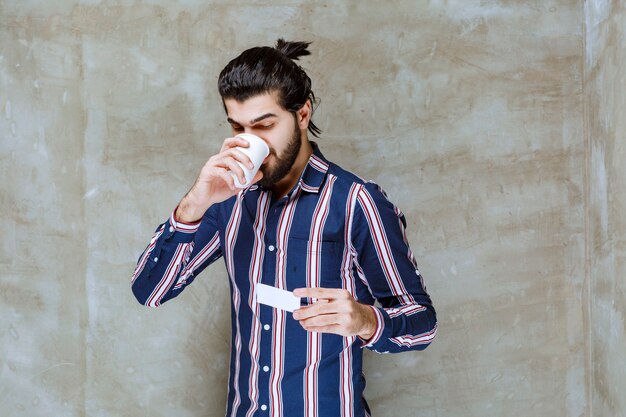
(281, 188)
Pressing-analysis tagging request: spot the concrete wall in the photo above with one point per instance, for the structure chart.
(605, 101)
(470, 114)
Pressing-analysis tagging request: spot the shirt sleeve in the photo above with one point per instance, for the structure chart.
(406, 318)
(176, 253)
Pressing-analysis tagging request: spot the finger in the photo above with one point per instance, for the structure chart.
(239, 156)
(228, 179)
(233, 142)
(315, 309)
(321, 320)
(324, 293)
(333, 328)
(218, 160)
(231, 165)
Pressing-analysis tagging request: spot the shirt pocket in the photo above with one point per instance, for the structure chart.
(320, 260)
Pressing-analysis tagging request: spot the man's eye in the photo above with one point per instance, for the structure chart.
(267, 126)
(237, 128)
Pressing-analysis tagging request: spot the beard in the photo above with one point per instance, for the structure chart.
(284, 162)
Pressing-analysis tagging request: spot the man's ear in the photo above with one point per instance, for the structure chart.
(303, 115)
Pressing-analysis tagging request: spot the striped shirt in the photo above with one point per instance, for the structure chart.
(331, 230)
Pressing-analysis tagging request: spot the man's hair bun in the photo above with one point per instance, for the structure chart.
(292, 50)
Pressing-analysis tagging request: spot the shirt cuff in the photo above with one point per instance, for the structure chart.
(181, 226)
(380, 327)
(180, 232)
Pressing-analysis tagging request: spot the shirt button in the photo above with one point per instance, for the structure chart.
(263, 407)
(266, 368)
(271, 248)
(156, 258)
(266, 327)
(171, 229)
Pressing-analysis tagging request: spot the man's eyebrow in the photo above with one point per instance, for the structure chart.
(257, 120)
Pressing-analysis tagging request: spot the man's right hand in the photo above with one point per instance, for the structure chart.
(215, 184)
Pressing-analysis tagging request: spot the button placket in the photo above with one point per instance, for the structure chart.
(264, 358)
(266, 313)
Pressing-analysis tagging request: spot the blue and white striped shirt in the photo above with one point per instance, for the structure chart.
(332, 230)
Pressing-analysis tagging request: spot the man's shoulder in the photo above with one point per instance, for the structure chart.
(343, 176)
(349, 179)
(348, 182)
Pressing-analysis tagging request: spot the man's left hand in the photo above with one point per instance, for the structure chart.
(336, 311)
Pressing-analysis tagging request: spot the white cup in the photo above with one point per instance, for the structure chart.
(257, 152)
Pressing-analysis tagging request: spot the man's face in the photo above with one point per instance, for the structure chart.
(262, 116)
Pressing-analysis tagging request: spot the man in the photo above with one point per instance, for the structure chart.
(306, 226)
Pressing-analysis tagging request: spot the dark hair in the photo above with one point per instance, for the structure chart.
(264, 69)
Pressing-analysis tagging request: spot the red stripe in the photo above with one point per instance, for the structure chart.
(278, 330)
(314, 342)
(307, 188)
(347, 254)
(345, 385)
(392, 276)
(372, 220)
(146, 254)
(312, 338)
(155, 297)
(420, 339)
(182, 278)
(359, 270)
(405, 239)
(231, 236)
(255, 276)
(407, 310)
(204, 254)
(318, 164)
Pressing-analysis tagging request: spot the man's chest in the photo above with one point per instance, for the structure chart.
(289, 244)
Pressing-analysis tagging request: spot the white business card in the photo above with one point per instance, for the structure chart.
(277, 298)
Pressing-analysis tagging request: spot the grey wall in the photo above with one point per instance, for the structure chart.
(492, 125)
(605, 99)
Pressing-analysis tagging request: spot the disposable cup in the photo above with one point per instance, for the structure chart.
(257, 152)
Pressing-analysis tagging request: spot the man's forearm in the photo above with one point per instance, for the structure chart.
(188, 211)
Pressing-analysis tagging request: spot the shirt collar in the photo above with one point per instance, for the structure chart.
(315, 171)
(313, 175)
